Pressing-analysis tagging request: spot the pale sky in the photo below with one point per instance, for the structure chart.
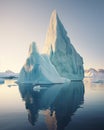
(24, 21)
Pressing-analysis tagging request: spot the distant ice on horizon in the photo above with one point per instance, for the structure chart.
(8, 74)
(96, 76)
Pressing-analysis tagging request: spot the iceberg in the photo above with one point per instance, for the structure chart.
(90, 73)
(8, 74)
(63, 56)
(38, 69)
(96, 76)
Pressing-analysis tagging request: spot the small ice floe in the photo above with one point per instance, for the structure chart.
(38, 88)
(12, 85)
(99, 81)
(1, 81)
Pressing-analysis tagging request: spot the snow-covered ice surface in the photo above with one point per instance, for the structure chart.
(96, 76)
(62, 54)
(38, 69)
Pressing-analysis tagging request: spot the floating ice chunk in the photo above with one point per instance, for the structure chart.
(38, 88)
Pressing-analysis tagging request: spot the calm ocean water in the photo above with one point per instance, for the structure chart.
(74, 106)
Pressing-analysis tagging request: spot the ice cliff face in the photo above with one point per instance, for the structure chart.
(61, 52)
(38, 69)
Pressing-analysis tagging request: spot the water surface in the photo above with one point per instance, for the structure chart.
(74, 106)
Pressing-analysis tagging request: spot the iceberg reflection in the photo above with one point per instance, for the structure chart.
(61, 99)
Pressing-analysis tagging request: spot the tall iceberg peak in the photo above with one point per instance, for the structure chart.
(62, 53)
(55, 30)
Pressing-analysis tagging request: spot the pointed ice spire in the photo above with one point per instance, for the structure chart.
(54, 14)
(55, 30)
(33, 57)
(32, 48)
(54, 17)
(62, 53)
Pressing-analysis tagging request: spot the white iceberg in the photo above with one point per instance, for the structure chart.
(8, 74)
(90, 73)
(38, 69)
(96, 76)
(63, 55)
